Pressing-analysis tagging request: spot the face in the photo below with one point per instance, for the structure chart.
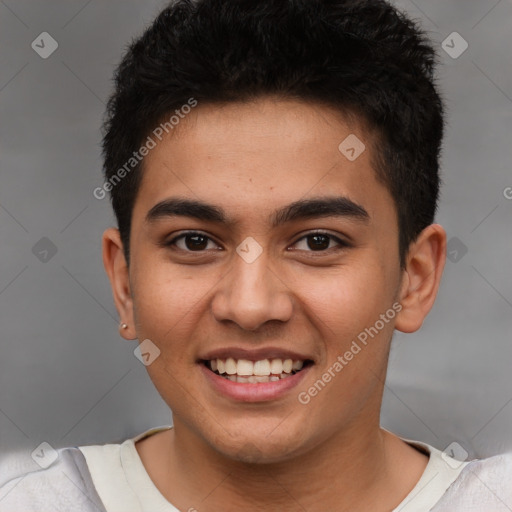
(288, 259)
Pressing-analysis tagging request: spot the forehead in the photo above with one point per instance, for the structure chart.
(252, 158)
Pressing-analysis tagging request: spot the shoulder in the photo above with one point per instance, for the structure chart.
(484, 484)
(62, 485)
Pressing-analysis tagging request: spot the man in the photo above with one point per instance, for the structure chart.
(273, 168)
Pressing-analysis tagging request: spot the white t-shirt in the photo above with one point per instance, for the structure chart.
(112, 478)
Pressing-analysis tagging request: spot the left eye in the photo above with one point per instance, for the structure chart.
(319, 242)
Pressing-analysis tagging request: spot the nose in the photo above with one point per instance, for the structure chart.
(252, 294)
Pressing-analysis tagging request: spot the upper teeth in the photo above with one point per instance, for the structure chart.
(262, 367)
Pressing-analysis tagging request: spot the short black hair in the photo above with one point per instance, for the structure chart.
(362, 57)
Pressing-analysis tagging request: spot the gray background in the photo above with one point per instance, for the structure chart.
(66, 377)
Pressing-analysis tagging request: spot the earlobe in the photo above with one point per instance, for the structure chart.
(118, 274)
(421, 277)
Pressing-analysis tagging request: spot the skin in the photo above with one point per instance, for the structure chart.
(251, 159)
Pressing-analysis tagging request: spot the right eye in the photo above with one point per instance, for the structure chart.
(191, 241)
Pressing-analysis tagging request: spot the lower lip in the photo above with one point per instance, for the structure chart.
(259, 392)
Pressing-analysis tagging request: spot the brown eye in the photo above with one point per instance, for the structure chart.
(319, 242)
(196, 242)
(192, 242)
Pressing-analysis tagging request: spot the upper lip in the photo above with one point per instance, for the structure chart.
(254, 355)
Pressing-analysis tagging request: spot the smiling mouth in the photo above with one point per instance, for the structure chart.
(254, 372)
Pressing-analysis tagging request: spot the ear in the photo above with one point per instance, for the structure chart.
(118, 274)
(421, 277)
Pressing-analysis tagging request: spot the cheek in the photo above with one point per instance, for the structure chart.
(164, 306)
(163, 311)
(345, 310)
(165, 292)
(345, 302)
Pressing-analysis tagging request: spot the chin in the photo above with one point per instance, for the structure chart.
(258, 446)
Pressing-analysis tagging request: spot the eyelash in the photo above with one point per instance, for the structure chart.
(341, 244)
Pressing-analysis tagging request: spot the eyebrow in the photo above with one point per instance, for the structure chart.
(338, 206)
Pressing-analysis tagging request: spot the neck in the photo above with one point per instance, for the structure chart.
(351, 471)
